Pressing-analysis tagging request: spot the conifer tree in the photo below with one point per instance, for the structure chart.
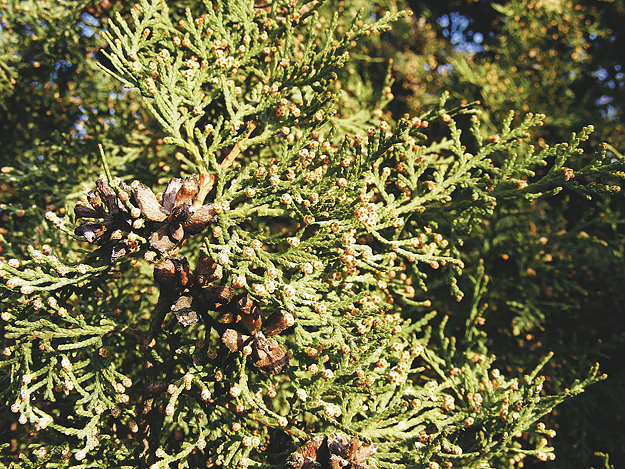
(227, 250)
(557, 290)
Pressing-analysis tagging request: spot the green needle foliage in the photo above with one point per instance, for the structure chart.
(276, 303)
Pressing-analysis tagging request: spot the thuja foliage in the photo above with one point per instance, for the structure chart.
(271, 304)
(547, 290)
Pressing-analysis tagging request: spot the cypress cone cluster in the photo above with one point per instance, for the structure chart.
(191, 295)
(336, 451)
(125, 216)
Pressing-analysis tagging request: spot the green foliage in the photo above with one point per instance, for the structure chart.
(322, 233)
(549, 287)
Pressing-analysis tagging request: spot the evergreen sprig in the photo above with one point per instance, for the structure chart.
(299, 302)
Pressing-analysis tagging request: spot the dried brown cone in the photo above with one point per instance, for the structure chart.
(336, 451)
(166, 224)
(103, 204)
(269, 355)
(173, 274)
(193, 294)
(348, 453)
(176, 213)
(309, 455)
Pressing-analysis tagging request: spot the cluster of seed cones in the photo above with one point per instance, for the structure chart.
(191, 296)
(191, 293)
(335, 451)
(121, 216)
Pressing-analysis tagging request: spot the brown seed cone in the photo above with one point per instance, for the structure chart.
(278, 322)
(94, 199)
(173, 274)
(169, 196)
(91, 231)
(234, 340)
(348, 453)
(308, 455)
(109, 197)
(82, 211)
(184, 309)
(245, 305)
(187, 191)
(162, 241)
(215, 296)
(248, 315)
(151, 209)
(207, 271)
(199, 219)
(270, 355)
